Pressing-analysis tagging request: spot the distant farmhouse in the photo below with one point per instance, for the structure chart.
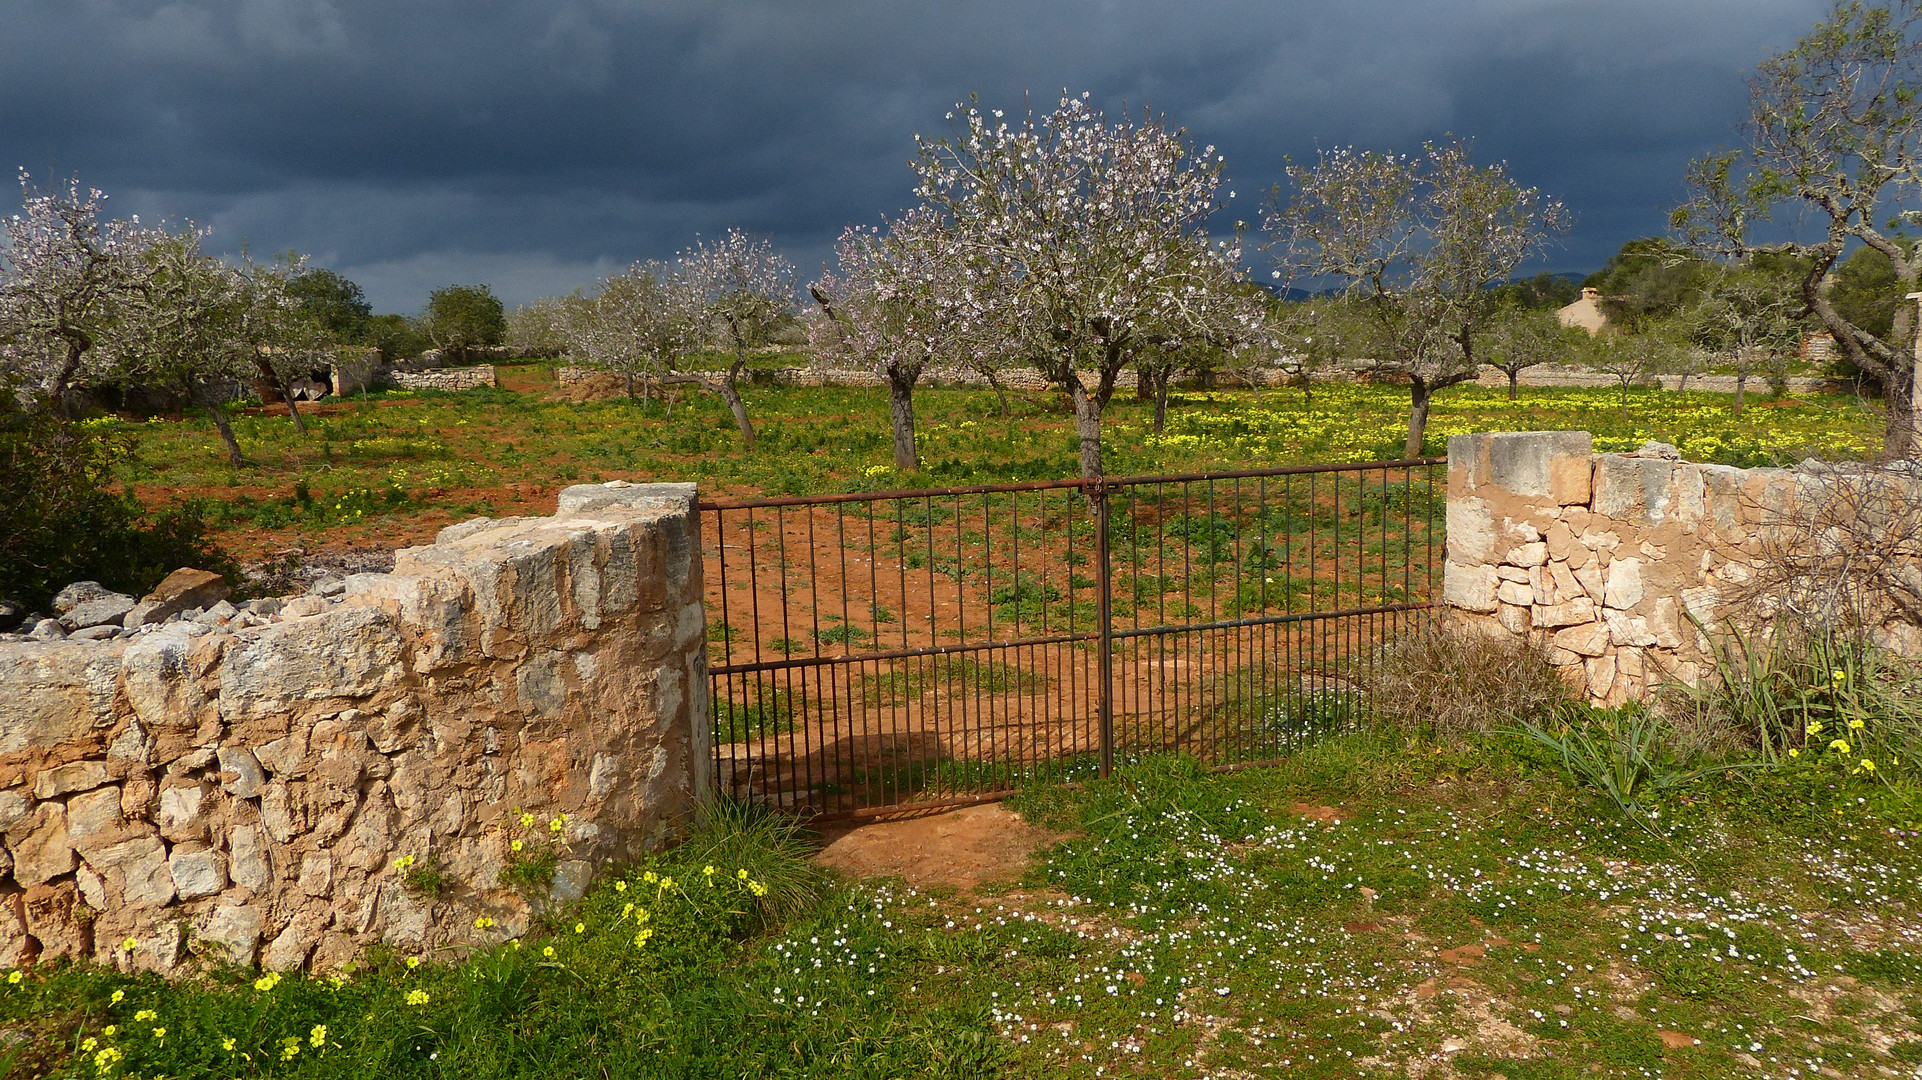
(1586, 313)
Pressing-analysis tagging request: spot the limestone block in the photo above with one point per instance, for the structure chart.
(73, 776)
(1471, 531)
(1587, 640)
(56, 692)
(132, 744)
(47, 851)
(1665, 624)
(1633, 489)
(13, 809)
(160, 687)
(1570, 479)
(1515, 592)
(184, 588)
(183, 812)
(291, 947)
(1560, 540)
(1471, 588)
(1625, 629)
(240, 772)
(1623, 589)
(394, 728)
(1573, 613)
(347, 652)
(1535, 554)
(540, 685)
(1591, 580)
(247, 858)
(316, 873)
(1521, 462)
(1702, 603)
(139, 868)
(93, 813)
(51, 919)
(1562, 584)
(235, 930)
(1601, 676)
(1513, 573)
(1513, 619)
(105, 610)
(79, 593)
(197, 873)
(286, 756)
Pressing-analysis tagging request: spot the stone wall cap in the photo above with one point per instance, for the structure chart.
(584, 497)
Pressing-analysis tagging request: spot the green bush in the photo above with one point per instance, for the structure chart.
(59, 523)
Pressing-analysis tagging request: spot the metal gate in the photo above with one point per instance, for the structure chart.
(877, 651)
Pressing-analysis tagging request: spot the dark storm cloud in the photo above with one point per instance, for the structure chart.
(534, 145)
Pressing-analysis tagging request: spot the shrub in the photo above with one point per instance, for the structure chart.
(1448, 682)
(58, 523)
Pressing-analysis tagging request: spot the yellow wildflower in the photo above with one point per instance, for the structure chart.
(14, 977)
(580, 928)
(227, 1045)
(146, 1014)
(1867, 766)
(413, 962)
(130, 944)
(1795, 753)
(418, 997)
(548, 952)
(318, 1036)
(118, 997)
(1855, 725)
(160, 1033)
(267, 982)
(620, 886)
(1840, 746)
(87, 1044)
(527, 820)
(641, 936)
(483, 923)
(1815, 727)
(515, 845)
(404, 863)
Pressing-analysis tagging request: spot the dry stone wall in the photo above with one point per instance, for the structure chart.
(1618, 562)
(460, 378)
(245, 791)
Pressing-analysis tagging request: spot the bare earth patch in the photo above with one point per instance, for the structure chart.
(958, 848)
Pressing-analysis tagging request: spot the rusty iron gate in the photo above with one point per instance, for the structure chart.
(881, 651)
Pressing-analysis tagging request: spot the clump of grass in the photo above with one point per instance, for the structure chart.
(1447, 682)
(738, 835)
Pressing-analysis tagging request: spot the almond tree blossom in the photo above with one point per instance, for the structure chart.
(744, 292)
(187, 328)
(638, 324)
(1419, 241)
(897, 302)
(64, 272)
(1086, 243)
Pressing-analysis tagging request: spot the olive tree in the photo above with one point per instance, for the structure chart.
(1086, 243)
(1419, 241)
(462, 318)
(743, 292)
(895, 303)
(65, 272)
(1832, 135)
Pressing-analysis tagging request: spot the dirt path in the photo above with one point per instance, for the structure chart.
(957, 848)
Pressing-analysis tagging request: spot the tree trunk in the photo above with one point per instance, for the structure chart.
(217, 412)
(901, 414)
(1514, 376)
(631, 397)
(1902, 437)
(1419, 397)
(995, 383)
(293, 408)
(1741, 389)
(1682, 387)
(76, 351)
(1161, 377)
(1087, 423)
(731, 394)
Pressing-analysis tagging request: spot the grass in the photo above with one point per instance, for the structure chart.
(395, 466)
(1371, 906)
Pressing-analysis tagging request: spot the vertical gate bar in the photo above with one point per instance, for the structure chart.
(1106, 614)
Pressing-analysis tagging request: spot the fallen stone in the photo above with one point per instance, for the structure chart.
(47, 630)
(183, 589)
(79, 593)
(96, 633)
(99, 611)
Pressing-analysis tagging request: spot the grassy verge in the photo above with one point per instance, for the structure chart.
(1370, 907)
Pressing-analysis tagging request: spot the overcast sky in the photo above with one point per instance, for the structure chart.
(535, 145)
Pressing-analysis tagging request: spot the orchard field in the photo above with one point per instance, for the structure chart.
(391, 469)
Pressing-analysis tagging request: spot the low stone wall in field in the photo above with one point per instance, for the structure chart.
(355, 768)
(1605, 558)
(460, 378)
(1012, 379)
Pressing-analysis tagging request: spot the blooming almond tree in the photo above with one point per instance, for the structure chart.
(188, 329)
(64, 272)
(897, 302)
(275, 327)
(1086, 243)
(637, 325)
(744, 292)
(1418, 241)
